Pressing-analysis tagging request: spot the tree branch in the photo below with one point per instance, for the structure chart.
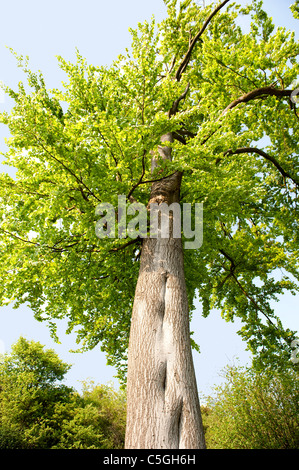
(234, 71)
(256, 94)
(19, 238)
(53, 248)
(248, 296)
(131, 242)
(181, 134)
(187, 57)
(158, 179)
(140, 179)
(176, 103)
(67, 169)
(268, 157)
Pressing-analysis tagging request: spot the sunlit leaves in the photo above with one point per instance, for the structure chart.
(94, 139)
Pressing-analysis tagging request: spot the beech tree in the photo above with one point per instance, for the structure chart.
(196, 111)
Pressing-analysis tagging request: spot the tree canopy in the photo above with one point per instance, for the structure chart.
(225, 95)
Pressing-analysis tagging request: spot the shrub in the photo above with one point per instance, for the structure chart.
(254, 410)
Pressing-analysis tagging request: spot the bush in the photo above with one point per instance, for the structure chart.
(10, 439)
(254, 410)
(111, 406)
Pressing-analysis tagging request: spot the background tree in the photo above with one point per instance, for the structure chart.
(197, 111)
(30, 389)
(93, 420)
(111, 408)
(254, 410)
(38, 411)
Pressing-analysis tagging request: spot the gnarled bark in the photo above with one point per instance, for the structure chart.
(163, 407)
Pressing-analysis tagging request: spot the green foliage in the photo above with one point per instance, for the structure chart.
(76, 426)
(30, 389)
(36, 411)
(11, 439)
(93, 140)
(295, 9)
(111, 406)
(29, 359)
(254, 410)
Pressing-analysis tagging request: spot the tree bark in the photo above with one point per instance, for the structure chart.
(163, 410)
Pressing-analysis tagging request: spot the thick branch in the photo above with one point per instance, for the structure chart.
(187, 57)
(258, 93)
(181, 135)
(176, 103)
(268, 157)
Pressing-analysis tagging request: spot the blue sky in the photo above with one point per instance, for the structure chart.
(99, 29)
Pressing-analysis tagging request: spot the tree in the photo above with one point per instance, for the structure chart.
(254, 410)
(197, 111)
(29, 392)
(111, 408)
(37, 411)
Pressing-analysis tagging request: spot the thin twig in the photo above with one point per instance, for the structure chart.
(131, 242)
(248, 296)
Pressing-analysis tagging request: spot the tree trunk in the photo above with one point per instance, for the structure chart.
(163, 409)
